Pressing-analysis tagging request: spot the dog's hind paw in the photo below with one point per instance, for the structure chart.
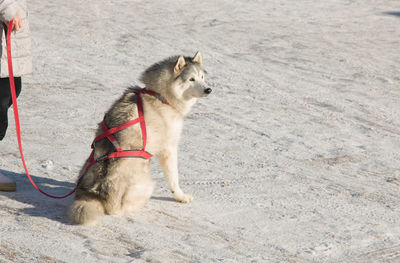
(184, 198)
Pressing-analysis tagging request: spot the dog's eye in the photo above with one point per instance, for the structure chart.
(191, 79)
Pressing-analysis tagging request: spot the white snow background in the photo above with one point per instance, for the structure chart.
(294, 157)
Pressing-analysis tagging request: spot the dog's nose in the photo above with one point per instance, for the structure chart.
(207, 90)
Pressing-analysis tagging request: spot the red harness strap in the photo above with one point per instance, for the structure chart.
(108, 133)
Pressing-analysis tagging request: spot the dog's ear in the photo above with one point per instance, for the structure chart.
(179, 65)
(197, 58)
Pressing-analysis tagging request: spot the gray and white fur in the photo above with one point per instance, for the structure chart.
(123, 185)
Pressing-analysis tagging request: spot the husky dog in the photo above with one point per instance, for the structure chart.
(123, 185)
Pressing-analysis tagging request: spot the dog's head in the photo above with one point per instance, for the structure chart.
(179, 76)
(190, 78)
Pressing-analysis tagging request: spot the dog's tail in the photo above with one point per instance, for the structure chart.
(86, 211)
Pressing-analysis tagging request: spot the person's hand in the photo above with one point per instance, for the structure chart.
(17, 23)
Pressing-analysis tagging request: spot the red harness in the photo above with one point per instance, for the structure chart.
(108, 133)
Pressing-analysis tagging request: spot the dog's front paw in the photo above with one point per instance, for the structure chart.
(184, 198)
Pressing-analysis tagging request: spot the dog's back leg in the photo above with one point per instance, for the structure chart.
(136, 196)
(140, 187)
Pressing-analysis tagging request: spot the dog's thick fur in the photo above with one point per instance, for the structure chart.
(123, 185)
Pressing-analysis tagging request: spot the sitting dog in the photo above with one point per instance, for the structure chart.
(143, 122)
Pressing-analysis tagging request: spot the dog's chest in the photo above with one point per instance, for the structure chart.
(163, 132)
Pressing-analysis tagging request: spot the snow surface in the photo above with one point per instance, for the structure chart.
(294, 157)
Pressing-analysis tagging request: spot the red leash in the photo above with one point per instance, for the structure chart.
(16, 116)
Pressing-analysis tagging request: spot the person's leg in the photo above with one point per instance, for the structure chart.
(6, 102)
(6, 184)
(5, 96)
(18, 85)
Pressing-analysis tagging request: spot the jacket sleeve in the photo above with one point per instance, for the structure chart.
(8, 10)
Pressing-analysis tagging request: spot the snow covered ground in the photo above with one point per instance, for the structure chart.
(294, 157)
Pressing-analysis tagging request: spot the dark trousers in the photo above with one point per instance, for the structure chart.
(6, 102)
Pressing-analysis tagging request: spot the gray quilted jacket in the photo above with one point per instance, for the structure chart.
(20, 40)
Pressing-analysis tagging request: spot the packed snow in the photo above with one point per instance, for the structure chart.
(294, 157)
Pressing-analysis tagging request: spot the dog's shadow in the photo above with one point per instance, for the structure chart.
(39, 204)
(397, 14)
(162, 198)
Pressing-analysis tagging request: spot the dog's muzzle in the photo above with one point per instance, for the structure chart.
(207, 90)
